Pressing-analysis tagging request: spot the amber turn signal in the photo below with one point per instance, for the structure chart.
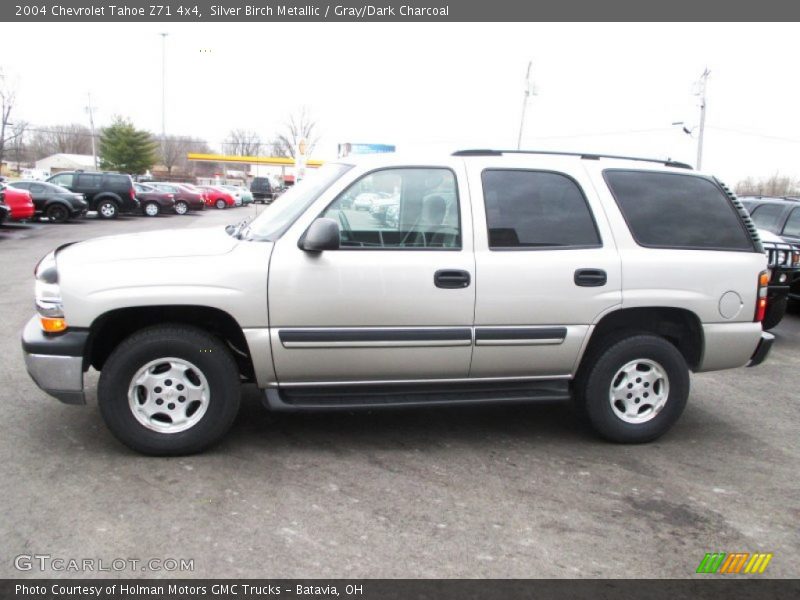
(53, 324)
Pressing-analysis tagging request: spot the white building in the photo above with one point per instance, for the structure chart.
(66, 162)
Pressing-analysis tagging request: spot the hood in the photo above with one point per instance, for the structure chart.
(768, 236)
(169, 243)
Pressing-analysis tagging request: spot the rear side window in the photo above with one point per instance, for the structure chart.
(667, 210)
(792, 227)
(118, 182)
(767, 216)
(536, 209)
(88, 181)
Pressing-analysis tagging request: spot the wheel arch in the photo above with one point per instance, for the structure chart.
(109, 329)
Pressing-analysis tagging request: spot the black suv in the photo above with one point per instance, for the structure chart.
(781, 217)
(107, 193)
(262, 190)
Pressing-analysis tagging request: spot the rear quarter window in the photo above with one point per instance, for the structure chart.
(118, 182)
(671, 210)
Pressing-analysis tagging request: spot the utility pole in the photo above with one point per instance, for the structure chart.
(163, 95)
(90, 110)
(529, 91)
(701, 91)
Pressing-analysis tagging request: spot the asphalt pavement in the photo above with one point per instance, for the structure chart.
(523, 491)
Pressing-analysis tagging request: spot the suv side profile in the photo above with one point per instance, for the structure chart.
(107, 193)
(501, 276)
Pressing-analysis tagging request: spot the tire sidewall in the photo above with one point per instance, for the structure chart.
(107, 203)
(183, 210)
(596, 396)
(62, 214)
(148, 205)
(212, 359)
(220, 204)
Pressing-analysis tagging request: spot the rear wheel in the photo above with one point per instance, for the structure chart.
(57, 213)
(220, 203)
(169, 390)
(151, 209)
(634, 389)
(107, 209)
(181, 207)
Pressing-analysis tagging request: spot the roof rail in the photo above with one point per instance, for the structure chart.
(584, 155)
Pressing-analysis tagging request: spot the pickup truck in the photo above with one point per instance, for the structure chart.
(501, 277)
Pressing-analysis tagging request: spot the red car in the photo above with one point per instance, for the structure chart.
(19, 201)
(217, 197)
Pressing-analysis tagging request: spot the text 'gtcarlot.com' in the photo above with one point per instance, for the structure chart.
(46, 562)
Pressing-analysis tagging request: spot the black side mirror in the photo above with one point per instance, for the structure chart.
(322, 235)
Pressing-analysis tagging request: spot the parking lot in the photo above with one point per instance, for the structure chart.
(524, 491)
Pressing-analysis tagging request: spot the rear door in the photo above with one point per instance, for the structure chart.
(396, 301)
(546, 265)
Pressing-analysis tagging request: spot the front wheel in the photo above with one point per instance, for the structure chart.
(151, 209)
(220, 204)
(169, 390)
(57, 213)
(634, 390)
(107, 209)
(181, 207)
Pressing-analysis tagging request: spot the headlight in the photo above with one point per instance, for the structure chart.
(48, 295)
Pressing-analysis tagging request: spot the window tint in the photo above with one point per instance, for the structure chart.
(531, 209)
(22, 185)
(89, 181)
(666, 210)
(399, 208)
(64, 179)
(767, 216)
(36, 188)
(118, 182)
(792, 227)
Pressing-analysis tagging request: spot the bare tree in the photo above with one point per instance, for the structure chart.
(242, 142)
(774, 185)
(299, 126)
(60, 139)
(173, 151)
(8, 133)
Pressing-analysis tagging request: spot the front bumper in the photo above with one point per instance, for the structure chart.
(55, 362)
(762, 350)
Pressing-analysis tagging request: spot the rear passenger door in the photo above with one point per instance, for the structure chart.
(546, 266)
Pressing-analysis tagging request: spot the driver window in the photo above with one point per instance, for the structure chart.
(399, 208)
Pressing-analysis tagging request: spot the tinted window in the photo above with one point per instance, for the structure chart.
(666, 210)
(64, 179)
(88, 181)
(118, 182)
(532, 209)
(792, 227)
(767, 216)
(37, 188)
(22, 185)
(399, 208)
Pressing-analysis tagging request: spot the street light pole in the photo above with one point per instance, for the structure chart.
(528, 92)
(90, 110)
(702, 93)
(163, 95)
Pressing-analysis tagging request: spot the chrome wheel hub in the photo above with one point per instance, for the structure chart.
(151, 210)
(639, 391)
(107, 210)
(169, 395)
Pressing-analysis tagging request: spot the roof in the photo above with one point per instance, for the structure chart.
(66, 161)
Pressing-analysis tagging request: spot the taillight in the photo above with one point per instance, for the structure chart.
(133, 194)
(761, 298)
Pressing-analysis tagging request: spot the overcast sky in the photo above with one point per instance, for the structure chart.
(612, 88)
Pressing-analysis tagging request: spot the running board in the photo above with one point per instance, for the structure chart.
(413, 395)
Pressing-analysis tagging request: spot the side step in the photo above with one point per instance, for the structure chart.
(414, 395)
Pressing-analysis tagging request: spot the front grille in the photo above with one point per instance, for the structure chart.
(779, 255)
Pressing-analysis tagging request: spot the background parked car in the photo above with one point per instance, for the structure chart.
(218, 197)
(5, 212)
(107, 193)
(263, 190)
(242, 195)
(56, 203)
(19, 202)
(152, 200)
(186, 198)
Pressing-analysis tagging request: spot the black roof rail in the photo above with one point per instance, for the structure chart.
(584, 155)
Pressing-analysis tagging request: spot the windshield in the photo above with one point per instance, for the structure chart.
(271, 223)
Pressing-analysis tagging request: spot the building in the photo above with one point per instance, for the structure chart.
(66, 162)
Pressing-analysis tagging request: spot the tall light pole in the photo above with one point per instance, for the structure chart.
(701, 91)
(90, 110)
(163, 95)
(529, 91)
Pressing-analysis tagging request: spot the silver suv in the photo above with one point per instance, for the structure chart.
(500, 277)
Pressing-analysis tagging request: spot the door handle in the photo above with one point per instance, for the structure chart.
(590, 277)
(450, 279)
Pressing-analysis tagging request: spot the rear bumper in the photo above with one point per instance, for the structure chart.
(762, 350)
(55, 362)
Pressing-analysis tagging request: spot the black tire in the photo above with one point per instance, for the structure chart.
(220, 203)
(181, 207)
(593, 387)
(776, 309)
(191, 344)
(154, 208)
(57, 213)
(107, 209)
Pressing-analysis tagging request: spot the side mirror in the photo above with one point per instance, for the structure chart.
(322, 235)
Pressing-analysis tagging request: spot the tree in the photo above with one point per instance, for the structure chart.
(8, 133)
(125, 148)
(774, 185)
(173, 151)
(242, 142)
(72, 138)
(299, 126)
